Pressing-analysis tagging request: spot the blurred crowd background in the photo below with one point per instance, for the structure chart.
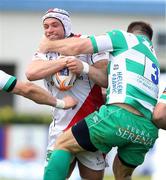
(24, 124)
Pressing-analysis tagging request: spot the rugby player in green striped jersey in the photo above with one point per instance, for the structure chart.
(125, 121)
(32, 91)
(159, 114)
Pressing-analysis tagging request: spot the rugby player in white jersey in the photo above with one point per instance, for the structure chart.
(125, 121)
(57, 25)
(32, 91)
(159, 114)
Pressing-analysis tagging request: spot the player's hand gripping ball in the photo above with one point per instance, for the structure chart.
(64, 79)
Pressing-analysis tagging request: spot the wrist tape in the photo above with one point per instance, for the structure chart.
(60, 104)
(85, 68)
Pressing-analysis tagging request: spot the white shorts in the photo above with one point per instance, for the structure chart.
(92, 160)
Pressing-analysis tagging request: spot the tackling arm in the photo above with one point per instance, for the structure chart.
(41, 96)
(68, 46)
(34, 92)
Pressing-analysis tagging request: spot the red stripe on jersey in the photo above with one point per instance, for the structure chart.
(92, 103)
(77, 35)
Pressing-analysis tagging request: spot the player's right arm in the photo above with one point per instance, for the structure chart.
(29, 90)
(40, 68)
(159, 113)
(33, 92)
(41, 96)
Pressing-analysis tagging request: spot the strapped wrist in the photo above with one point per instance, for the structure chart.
(60, 104)
(85, 67)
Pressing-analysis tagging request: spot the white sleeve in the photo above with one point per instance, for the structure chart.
(102, 43)
(6, 81)
(162, 100)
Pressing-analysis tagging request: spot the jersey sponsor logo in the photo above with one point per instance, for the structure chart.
(49, 152)
(135, 135)
(149, 85)
(95, 119)
(117, 83)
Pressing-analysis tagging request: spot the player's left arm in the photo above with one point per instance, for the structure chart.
(159, 113)
(39, 68)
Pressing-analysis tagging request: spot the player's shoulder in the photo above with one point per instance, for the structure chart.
(121, 33)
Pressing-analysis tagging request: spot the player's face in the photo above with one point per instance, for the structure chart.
(53, 29)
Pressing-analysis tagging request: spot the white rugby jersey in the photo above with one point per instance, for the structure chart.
(133, 69)
(84, 90)
(162, 98)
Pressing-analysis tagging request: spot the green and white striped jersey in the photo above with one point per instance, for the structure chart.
(7, 82)
(133, 70)
(162, 98)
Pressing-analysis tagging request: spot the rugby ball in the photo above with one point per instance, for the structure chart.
(64, 79)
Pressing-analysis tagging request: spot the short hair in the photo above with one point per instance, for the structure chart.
(141, 27)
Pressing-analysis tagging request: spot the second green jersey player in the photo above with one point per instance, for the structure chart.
(159, 114)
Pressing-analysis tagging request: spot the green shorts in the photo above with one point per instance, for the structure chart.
(114, 126)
